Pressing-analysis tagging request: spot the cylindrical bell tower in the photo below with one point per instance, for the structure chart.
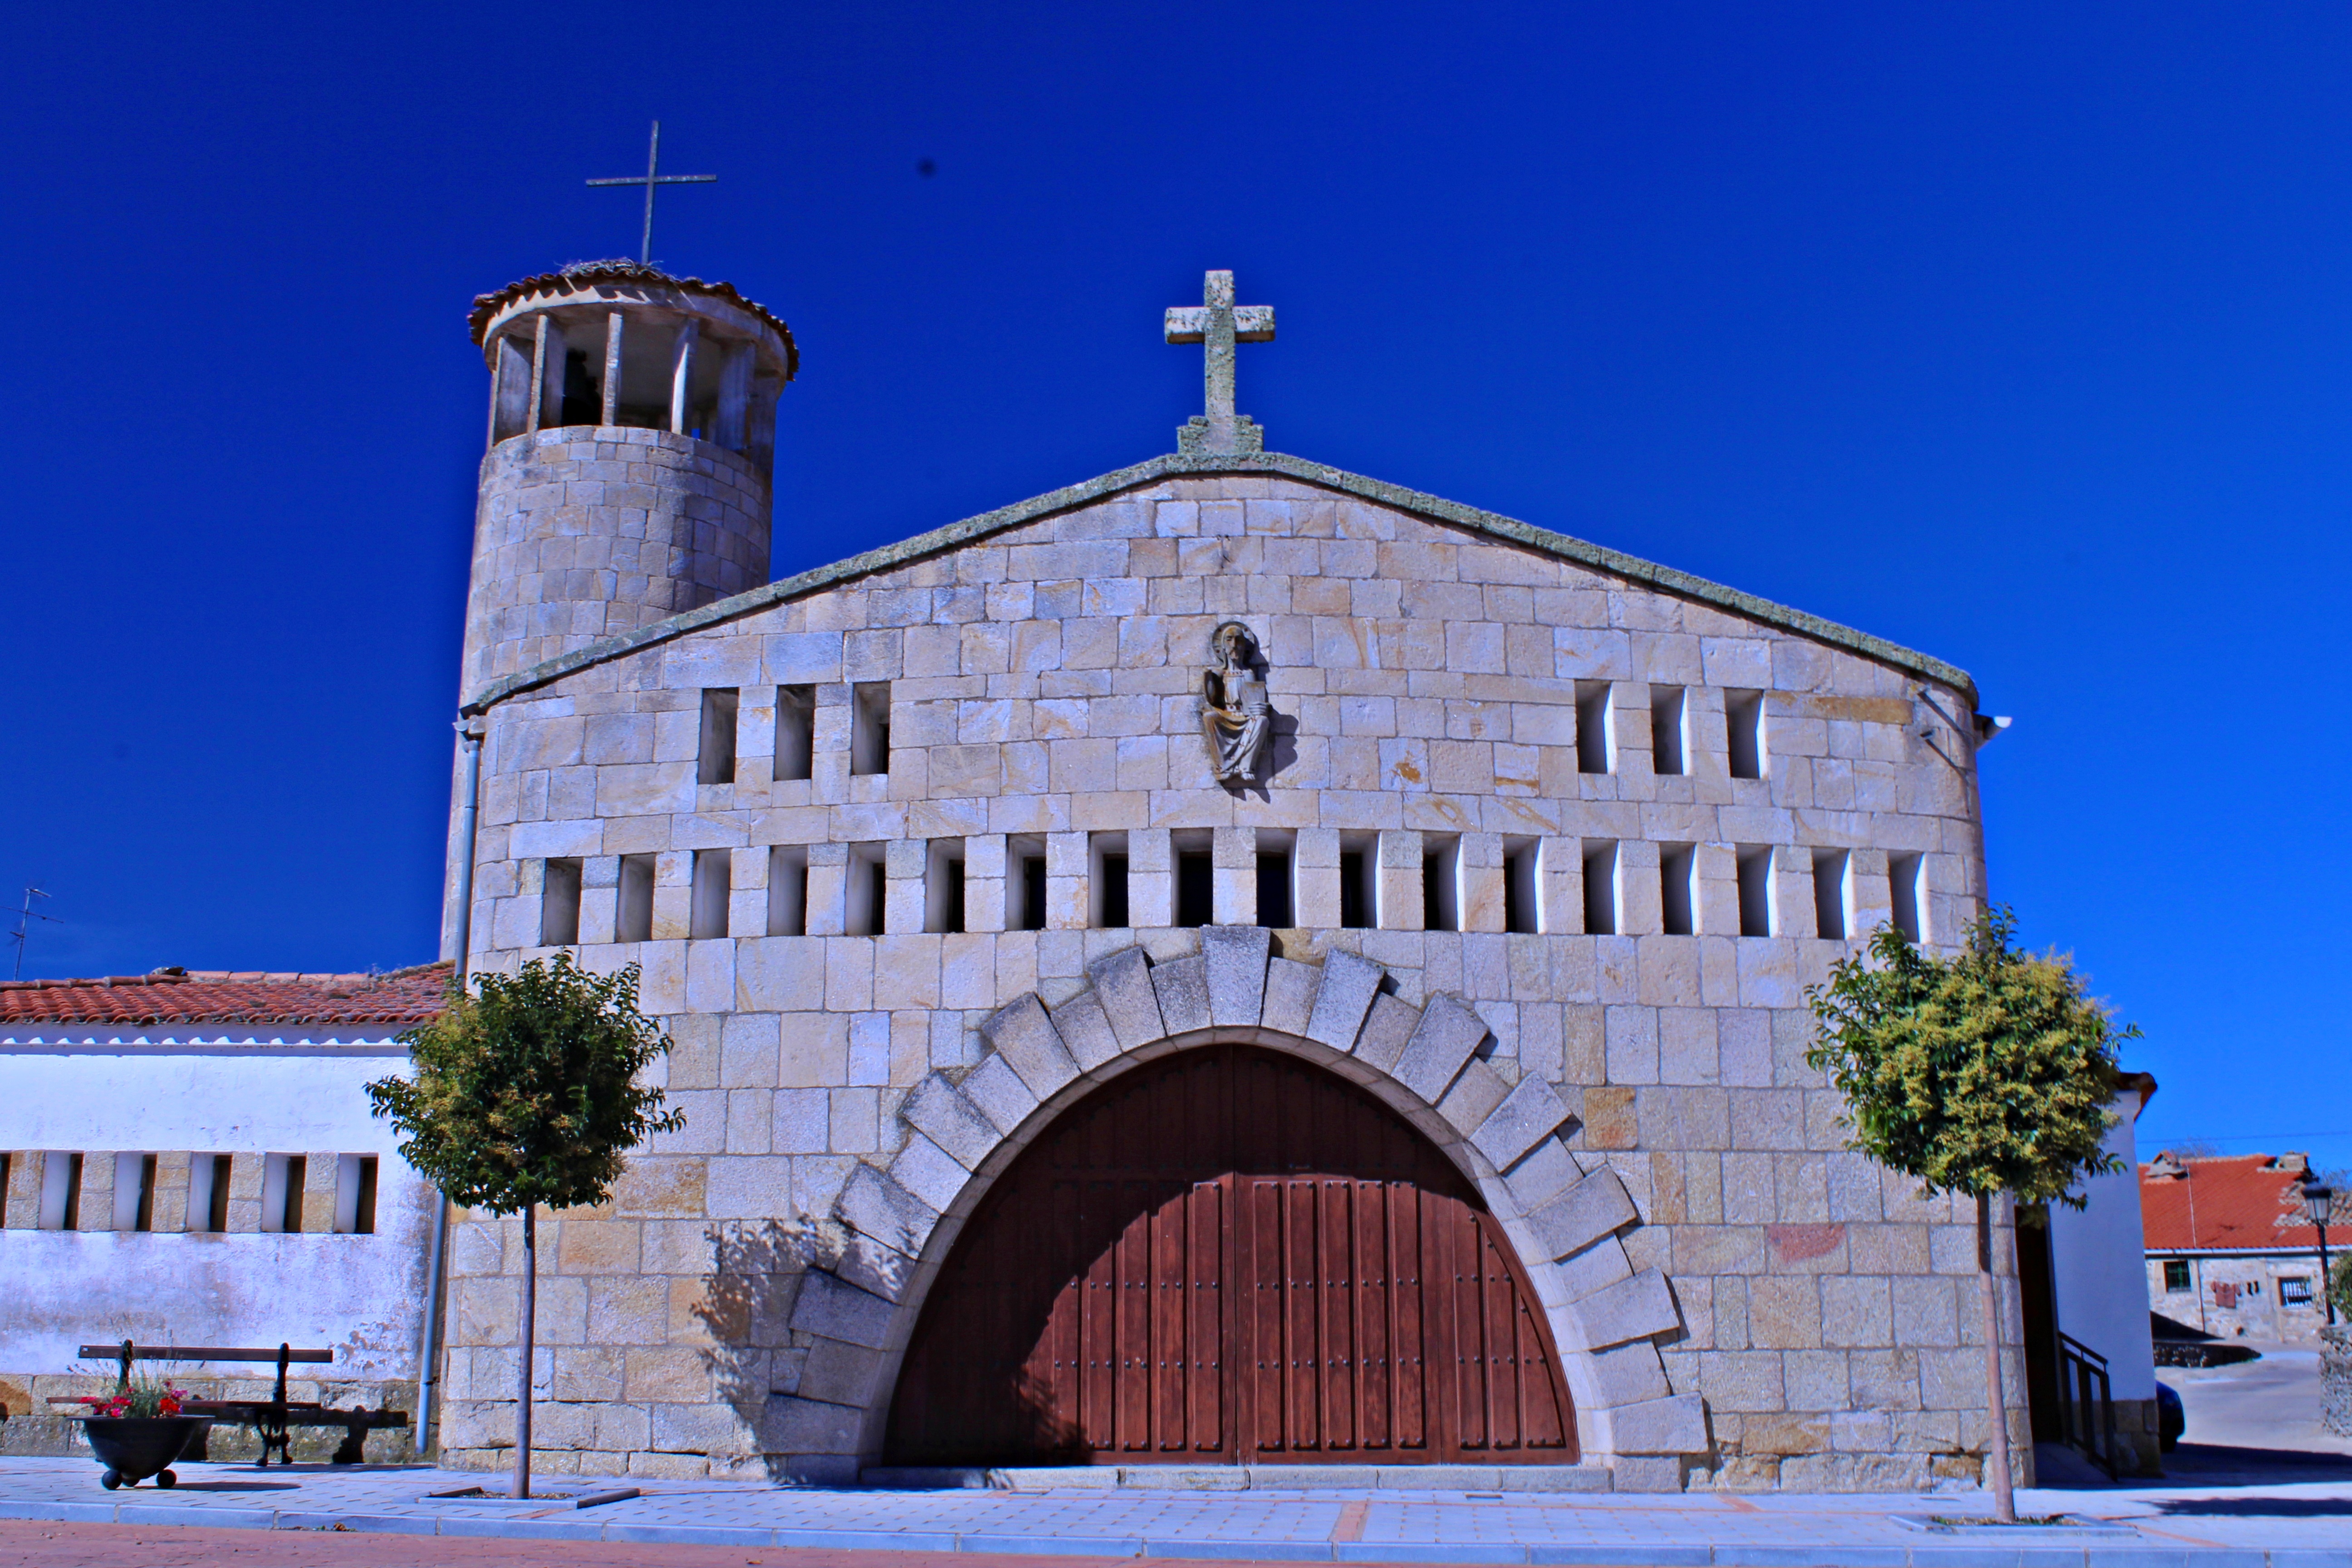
(632, 441)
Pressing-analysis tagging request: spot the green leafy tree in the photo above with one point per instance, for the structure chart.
(1984, 1073)
(525, 1092)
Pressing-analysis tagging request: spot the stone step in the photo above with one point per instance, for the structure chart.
(1242, 1478)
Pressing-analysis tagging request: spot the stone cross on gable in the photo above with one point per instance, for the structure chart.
(1220, 323)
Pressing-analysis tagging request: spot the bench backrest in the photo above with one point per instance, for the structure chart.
(126, 1353)
(203, 1352)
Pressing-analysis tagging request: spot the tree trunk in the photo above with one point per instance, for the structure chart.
(2004, 1496)
(522, 1373)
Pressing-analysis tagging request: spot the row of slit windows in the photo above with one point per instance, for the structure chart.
(795, 750)
(1744, 755)
(869, 731)
(57, 1198)
(866, 908)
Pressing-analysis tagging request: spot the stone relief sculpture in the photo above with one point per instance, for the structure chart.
(1235, 717)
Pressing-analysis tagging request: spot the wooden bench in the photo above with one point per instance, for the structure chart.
(269, 1418)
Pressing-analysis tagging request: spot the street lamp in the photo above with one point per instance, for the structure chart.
(2318, 1197)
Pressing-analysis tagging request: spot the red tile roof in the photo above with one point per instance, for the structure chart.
(2245, 1201)
(403, 998)
(581, 276)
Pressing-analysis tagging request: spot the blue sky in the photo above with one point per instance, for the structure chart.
(2019, 334)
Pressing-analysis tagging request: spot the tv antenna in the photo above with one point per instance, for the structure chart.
(26, 916)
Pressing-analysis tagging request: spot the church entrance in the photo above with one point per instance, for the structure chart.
(1231, 1256)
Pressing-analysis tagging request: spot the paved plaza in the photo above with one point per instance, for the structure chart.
(2222, 1508)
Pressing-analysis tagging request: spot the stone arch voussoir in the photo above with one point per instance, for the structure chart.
(1567, 1217)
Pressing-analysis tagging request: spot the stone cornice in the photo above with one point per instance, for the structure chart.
(1613, 563)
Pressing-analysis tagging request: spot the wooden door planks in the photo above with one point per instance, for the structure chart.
(1086, 1316)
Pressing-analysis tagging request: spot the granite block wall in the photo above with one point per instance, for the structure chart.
(586, 531)
(1042, 688)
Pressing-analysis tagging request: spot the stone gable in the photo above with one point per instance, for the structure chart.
(1040, 682)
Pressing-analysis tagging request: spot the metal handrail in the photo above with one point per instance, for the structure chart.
(2086, 1405)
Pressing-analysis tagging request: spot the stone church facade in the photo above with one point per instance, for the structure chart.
(925, 858)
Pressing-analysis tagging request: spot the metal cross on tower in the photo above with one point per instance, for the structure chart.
(654, 177)
(1220, 323)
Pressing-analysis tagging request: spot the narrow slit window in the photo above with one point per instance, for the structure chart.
(943, 886)
(1032, 889)
(355, 1194)
(60, 1191)
(796, 730)
(788, 890)
(134, 1191)
(1596, 745)
(869, 728)
(207, 1193)
(1520, 885)
(1106, 882)
(1196, 888)
(1274, 900)
(868, 891)
(715, 757)
(634, 920)
(1600, 889)
(1115, 915)
(7, 1161)
(1904, 887)
(714, 872)
(559, 904)
(1743, 723)
(1676, 866)
(1829, 894)
(1667, 732)
(282, 1178)
(1440, 902)
(1355, 889)
(1755, 892)
(298, 1179)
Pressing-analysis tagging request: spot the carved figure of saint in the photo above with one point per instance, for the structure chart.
(1235, 717)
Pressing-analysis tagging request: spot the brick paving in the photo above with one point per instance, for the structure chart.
(2298, 1525)
(27, 1544)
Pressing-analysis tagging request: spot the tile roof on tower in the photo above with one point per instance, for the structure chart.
(583, 275)
(402, 997)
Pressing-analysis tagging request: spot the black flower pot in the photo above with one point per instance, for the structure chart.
(133, 1448)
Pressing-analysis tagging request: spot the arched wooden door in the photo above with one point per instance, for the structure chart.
(1231, 1255)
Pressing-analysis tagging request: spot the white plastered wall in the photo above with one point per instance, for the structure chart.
(164, 1091)
(2098, 1264)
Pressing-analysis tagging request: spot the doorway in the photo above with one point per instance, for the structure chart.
(1231, 1256)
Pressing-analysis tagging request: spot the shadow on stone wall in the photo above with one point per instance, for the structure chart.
(747, 1307)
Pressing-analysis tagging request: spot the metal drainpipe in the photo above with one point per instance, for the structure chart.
(469, 800)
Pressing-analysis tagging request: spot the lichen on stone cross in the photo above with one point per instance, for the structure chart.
(1219, 323)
